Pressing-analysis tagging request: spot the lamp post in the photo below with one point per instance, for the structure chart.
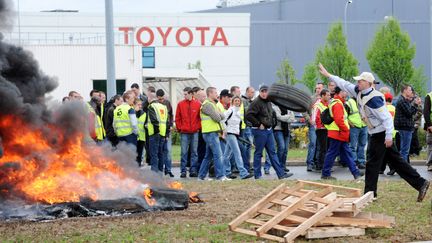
(19, 23)
(110, 57)
(345, 17)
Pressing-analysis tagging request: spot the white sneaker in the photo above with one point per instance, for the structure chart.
(224, 179)
(205, 179)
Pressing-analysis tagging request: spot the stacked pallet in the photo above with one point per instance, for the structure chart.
(311, 209)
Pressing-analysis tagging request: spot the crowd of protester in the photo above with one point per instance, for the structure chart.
(218, 130)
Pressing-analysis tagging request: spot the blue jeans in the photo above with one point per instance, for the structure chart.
(247, 148)
(336, 148)
(129, 139)
(310, 160)
(282, 143)
(405, 142)
(189, 141)
(213, 151)
(167, 153)
(232, 147)
(265, 139)
(358, 140)
(156, 146)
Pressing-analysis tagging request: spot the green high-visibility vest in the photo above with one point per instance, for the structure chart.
(121, 122)
(162, 117)
(207, 124)
(333, 126)
(354, 116)
(141, 127)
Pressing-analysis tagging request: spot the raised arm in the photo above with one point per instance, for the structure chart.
(341, 83)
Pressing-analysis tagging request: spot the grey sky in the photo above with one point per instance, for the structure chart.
(120, 6)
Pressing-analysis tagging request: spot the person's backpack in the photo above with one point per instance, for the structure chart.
(325, 116)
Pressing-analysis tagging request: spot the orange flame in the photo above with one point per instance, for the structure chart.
(46, 167)
(148, 197)
(175, 185)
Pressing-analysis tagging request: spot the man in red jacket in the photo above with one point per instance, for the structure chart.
(338, 134)
(188, 124)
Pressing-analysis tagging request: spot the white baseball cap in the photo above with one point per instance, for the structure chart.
(366, 76)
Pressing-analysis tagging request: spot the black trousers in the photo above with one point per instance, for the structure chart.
(321, 147)
(377, 154)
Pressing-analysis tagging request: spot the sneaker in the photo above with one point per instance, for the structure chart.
(224, 178)
(328, 178)
(360, 174)
(193, 174)
(286, 170)
(235, 171)
(381, 172)
(317, 170)
(267, 172)
(231, 176)
(361, 166)
(183, 175)
(423, 190)
(429, 168)
(247, 177)
(309, 168)
(391, 172)
(286, 175)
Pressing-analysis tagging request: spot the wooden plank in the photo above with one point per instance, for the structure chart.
(353, 191)
(321, 214)
(328, 232)
(360, 203)
(254, 209)
(315, 199)
(324, 192)
(284, 213)
(278, 227)
(365, 220)
(265, 236)
(331, 196)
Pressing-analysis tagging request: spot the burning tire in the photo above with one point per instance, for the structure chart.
(290, 97)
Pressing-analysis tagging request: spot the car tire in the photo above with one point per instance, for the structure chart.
(290, 97)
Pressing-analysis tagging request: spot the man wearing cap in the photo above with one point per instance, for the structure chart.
(374, 112)
(260, 115)
(404, 118)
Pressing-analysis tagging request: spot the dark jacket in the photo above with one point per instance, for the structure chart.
(108, 122)
(427, 112)
(261, 112)
(405, 111)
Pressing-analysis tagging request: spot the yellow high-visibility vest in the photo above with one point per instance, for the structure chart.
(141, 127)
(333, 126)
(242, 115)
(162, 117)
(121, 123)
(207, 124)
(99, 129)
(392, 111)
(354, 117)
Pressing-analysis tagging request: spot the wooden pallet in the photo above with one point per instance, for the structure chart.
(288, 212)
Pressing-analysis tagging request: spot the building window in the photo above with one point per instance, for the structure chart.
(101, 85)
(148, 57)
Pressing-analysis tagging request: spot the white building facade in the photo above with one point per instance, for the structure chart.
(212, 49)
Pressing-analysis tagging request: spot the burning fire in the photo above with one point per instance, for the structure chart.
(148, 197)
(53, 169)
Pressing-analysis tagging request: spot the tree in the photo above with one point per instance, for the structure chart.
(335, 55)
(286, 73)
(390, 55)
(310, 76)
(418, 81)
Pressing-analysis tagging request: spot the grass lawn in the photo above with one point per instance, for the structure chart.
(208, 222)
